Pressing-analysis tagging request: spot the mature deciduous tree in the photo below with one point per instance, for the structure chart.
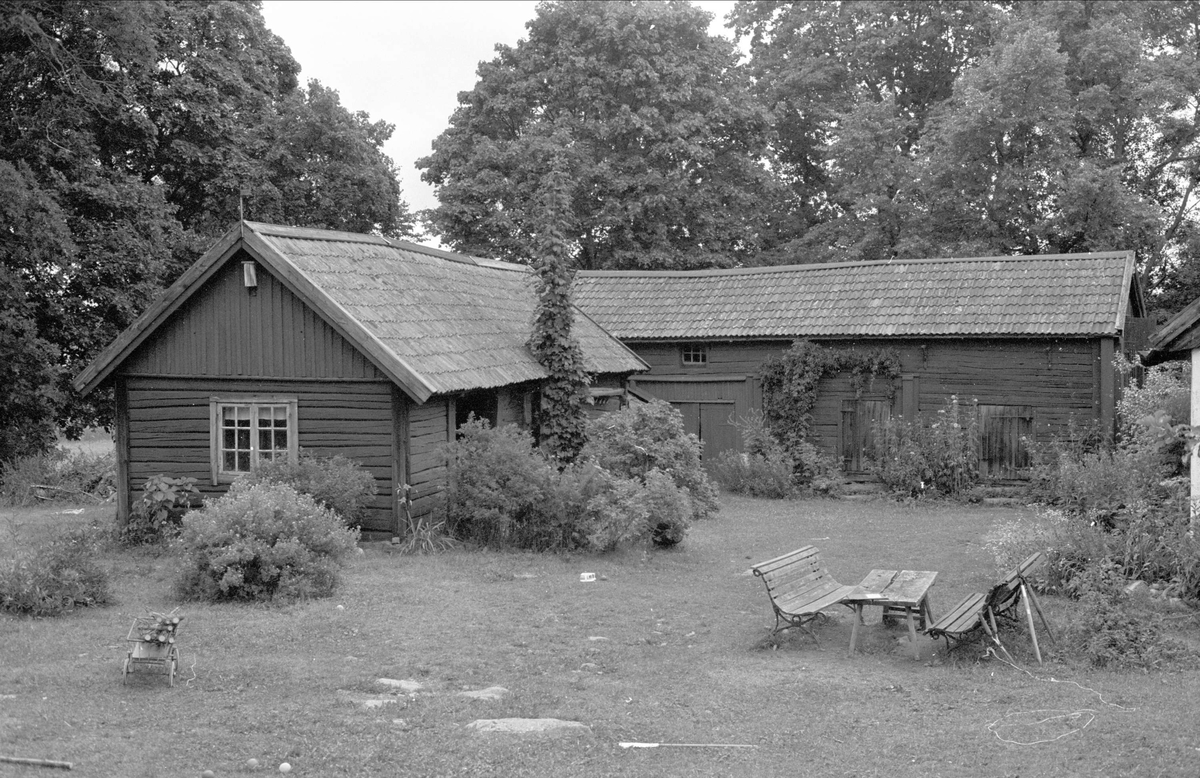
(128, 131)
(655, 127)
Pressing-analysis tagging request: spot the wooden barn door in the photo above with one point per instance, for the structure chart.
(717, 432)
(859, 418)
(1002, 454)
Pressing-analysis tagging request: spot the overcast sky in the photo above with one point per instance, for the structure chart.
(406, 62)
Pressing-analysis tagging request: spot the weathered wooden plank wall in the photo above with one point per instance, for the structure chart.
(168, 428)
(428, 428)
(1061, 380)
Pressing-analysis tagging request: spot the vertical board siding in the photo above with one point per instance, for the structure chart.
(168, 428)
(224, 330)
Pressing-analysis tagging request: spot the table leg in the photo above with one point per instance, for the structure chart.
(858, 608)
(912, 631)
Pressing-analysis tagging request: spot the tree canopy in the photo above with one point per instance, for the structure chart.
(651, 121)
(130, 131)
(958, 128)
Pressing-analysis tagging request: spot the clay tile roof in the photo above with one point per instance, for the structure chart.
(1051, 295)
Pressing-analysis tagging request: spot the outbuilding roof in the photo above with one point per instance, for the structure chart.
(1075, 295)
(434, 321)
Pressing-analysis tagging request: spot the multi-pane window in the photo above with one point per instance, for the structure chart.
(695, 354)
(249, 431)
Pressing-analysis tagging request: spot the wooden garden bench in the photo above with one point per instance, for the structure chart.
(800, 588)
(980, 613)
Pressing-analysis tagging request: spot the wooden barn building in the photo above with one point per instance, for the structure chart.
(1030, 339)
(281, 338)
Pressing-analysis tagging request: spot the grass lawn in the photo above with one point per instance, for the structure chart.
(663, 647)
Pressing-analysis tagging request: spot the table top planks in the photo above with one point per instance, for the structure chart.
(894, 587)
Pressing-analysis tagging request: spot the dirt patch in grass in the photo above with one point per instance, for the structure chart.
(666, 647)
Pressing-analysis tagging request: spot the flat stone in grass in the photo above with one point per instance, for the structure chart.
(407, 686)
(490, 693)
(526, 726)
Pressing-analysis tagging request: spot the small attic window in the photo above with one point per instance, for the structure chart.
(695, 354)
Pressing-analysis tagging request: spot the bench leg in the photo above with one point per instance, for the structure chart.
(858, 609)
(912, 632)
(1037, 606)
(1037, 651)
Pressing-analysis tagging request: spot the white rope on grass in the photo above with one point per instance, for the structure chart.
(1084, 715)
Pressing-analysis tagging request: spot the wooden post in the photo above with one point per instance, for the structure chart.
(121, 439)
(1195, 458)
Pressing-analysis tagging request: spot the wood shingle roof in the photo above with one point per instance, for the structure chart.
(434, 321)
(1074, 295)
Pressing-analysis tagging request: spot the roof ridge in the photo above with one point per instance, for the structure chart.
(874, 263)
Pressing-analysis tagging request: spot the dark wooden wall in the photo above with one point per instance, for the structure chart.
(1061, 380)
(168, 428)
(226, 341)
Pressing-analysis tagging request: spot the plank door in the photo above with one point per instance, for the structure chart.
(1003, 430)
(717, 431)
(859, 418)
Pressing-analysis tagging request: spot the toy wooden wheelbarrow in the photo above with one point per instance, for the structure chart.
(153, 639)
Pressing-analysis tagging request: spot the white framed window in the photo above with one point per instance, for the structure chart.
(245, 431)
(694, 354)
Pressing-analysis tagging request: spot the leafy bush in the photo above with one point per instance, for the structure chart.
(58, 476)
(504, 493)
(156, 515)
(934, 452)
(259, 542)
(340, 484)
(54, 578)
(670, 509)
(633, 441)
(497, 485)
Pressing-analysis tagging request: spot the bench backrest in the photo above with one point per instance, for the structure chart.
(1007, 593)
(797, 571)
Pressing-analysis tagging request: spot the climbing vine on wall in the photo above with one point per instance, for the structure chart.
(562, 419)
(790, 381)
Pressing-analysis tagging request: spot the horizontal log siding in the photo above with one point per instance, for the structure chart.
(1058, 378)
(169, 428)
(428, 430)
(223, 330)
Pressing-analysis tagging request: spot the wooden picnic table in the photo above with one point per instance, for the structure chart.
(895, 591)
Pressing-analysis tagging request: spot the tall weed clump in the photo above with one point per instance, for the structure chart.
(763, 468)
(58, 475)
(932, 454)
(1125, 502)
(55, 577)
(261, 542)
(340, 484)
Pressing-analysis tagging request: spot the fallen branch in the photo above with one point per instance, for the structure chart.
(64, 489)
(36, 762)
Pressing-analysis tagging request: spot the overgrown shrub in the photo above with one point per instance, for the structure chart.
(58, 476)
(762, 469)
(633, 441)
(932, 453)
(55, 577)
(340, 484)
(262, 542)
(1107, 631)
(156, 515)
(504, 493)
(497, 483)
